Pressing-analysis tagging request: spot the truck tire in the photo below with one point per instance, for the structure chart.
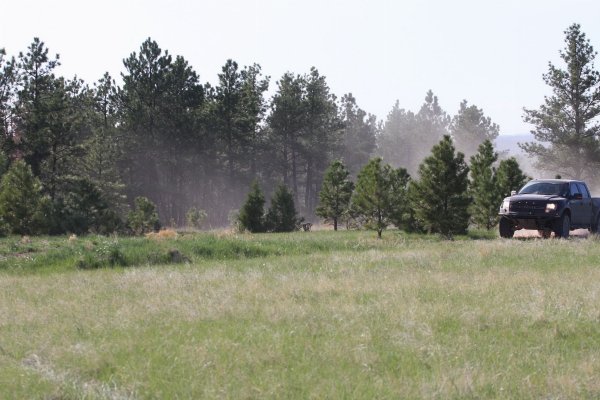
(507, 230)
(563, 226)
(594, 227)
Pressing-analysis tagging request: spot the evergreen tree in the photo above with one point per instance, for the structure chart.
(373, 199)
(21, 199)
(336, 191)
(509, 177)
(400, 210)
(440, 198)
(104, 146)
(398, 142)
(281, 216)
(286, 121)
(358, 136)
(407, 138)
(483, 187)
(159, 106)
(8, 88)
(322, 129)
(36, 103)
(470, 128)
(566, 125)
(80, 207)
(251, 216)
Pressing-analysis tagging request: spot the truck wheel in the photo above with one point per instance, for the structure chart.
(507, 230)
(563, 226)
(594, 227)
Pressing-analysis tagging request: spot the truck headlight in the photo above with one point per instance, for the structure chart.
(550, 207)
(506, 205)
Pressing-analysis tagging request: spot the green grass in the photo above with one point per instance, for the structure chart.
(301, 315)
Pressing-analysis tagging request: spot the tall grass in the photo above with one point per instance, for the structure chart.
(317, 315)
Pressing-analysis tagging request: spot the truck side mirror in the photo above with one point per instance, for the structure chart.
(577, 196)
(513, 192)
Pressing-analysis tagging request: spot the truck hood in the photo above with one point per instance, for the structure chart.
(538, 197)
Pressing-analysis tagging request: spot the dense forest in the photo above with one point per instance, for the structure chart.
(163, 134)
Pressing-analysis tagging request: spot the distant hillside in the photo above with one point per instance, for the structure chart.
(509, 143)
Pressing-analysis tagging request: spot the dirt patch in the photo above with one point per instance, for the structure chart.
(525, 233)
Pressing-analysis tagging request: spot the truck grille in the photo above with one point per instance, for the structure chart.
(528, 206)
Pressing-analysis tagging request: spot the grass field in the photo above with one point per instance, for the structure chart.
(302, 315)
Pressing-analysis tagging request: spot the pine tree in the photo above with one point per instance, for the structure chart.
(8, 88)
(281, 216)
(440, 198)
(470, 128)
(336, 191)
(483, 187)
(400, 213)
(407, 138)
(566, 125)
(509, 177)
(373, 198)
(21, 199)
(358, 135)
(251, 216)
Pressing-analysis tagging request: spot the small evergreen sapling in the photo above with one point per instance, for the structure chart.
(251, 216)
(483, 187)
(281, 216)
(440, 199)
(21, 200)
(336, 192)
(377, 200)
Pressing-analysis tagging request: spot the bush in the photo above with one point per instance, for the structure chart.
(106, 255)
(143, 218)
(195, 217)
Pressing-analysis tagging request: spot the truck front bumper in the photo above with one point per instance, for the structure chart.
(531, 221)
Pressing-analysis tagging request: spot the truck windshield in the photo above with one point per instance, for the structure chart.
(556, 189)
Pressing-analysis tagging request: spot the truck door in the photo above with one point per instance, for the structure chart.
(576, 211)
(586, 205)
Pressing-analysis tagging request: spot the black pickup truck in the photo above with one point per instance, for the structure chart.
(550, 205)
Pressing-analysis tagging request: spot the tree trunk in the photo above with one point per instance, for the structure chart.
(308, 190)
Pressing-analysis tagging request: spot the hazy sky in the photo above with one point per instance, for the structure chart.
(491, 53)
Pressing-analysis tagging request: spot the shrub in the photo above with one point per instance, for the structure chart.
(195, 217)
(106, 255)
(143, 218)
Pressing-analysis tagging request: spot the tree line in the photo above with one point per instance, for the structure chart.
(446, 198)
(83, 153)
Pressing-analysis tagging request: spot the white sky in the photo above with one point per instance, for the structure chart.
(492, 53)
